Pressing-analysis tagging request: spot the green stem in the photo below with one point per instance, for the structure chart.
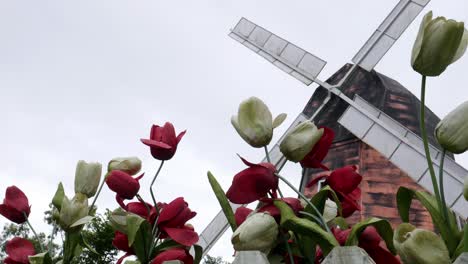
(311, 215)
(267, 154)
(152, 182)
(288, 248)
(465, 238)
(441, 185)
(34, 232)
(99, 192)
(146, 205)
(422, 126)
(319, 215)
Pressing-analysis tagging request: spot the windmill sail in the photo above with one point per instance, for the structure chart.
(388, 33)
(288, 57)
(404, 149)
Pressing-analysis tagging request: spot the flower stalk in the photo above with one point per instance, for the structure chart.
(34, 232)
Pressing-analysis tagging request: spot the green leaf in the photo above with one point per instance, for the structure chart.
(383, 228)
(321, 197)
(305, 227)
(132, 262)
(133, 225)
(341, 223)
(58, 197)
(82, 221)
(448, 229)
(198, 254)
(141, 245)
(223, 201)
(41, 258)
(85, 244)
(306, 243)
(279, 119)
(165, 245)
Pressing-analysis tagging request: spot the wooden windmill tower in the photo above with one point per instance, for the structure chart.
(372, 115)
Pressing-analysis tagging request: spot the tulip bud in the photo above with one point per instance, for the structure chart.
(330, 211)
(73, 210)
(451, 131)
(87, 178)
(258, 232)
(440, 42)
(118, 220)
(300, 141)
(130, 165)
(416, 245)
(254, 122)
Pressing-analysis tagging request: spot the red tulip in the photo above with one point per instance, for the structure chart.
(15, 205)
(370, 241)
(253, 183)
(123, 184)
(269, 207)
(172, 222)
(163, 141)
(241, 214)
(120, 242)
(315, 157)
(18, 250)
(173, 254)
(345, 182)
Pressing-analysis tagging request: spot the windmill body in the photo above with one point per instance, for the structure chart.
(381, 134)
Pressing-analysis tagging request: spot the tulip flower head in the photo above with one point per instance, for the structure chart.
(123, 184)
(254, 122)
(173, 254)
(314, 158)
(172, 222)
(345, 182)
(15, 205)
(18, 251)
(87, 178)
(163, 141)
(253, 183)
(451, 132)
(440, 42)
(258, 232)
(241, 214)
(300, 141)
(130, 165)
(73, 210)
(416, 245)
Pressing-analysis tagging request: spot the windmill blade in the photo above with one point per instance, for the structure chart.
(216, 228)
(388, 32)
(293, 60)
(404, 149)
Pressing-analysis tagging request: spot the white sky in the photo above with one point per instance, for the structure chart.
(85, 80)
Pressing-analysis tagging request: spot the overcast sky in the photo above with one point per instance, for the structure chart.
(87, 79)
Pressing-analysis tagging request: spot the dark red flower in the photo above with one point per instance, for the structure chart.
(172, 222)
(18, 250)
(315, 157)
(370, 241)
(173, 254)
(15, 205)
(241, 214)
(163, 141)
(269, 207)
(123, 184)
(120, 242)
(253, 183)
(345, 182)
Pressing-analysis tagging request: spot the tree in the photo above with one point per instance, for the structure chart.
(214, 260)
(13, 230)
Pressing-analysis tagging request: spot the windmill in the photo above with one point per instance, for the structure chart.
(394, 141)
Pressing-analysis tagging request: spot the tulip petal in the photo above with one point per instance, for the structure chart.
(382, 256)
(15, 198)
(181, 134)
(320, 150)
(171, 210)
(18, 249)
(241, 214)
(344, 179)
(183, 236)
(155, 144)
(173, 254)
(169, 135)
(251, 184)
(315, 180)
(419, 39)
(462, 48)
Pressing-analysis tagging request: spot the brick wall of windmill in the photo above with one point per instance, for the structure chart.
(381, 180)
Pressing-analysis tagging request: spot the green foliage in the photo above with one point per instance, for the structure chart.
(214, 260)
(12, 230)
(223, 201)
